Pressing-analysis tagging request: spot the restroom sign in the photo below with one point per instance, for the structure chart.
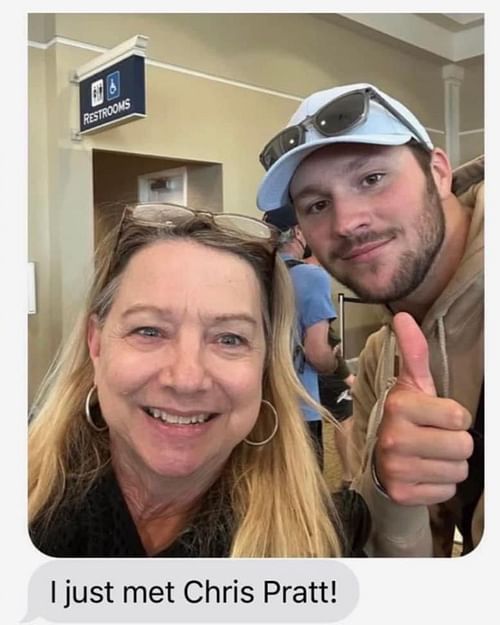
(113, 95)
(97, 92)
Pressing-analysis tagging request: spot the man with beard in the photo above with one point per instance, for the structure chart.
(384, 214)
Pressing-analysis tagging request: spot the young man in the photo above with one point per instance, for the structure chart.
(314, 308)
(385, 215)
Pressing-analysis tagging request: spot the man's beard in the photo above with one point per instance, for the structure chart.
(413, 264)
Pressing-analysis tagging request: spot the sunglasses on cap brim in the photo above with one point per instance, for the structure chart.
(334, 118)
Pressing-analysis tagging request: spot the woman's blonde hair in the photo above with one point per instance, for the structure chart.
(280, 503)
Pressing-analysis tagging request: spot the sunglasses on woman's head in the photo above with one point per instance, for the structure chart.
(165, 215)
(334, 118)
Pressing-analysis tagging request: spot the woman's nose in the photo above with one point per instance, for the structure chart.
(184, 367)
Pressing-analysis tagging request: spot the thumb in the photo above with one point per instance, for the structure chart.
(414, 368)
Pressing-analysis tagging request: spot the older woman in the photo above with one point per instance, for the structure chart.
(170, 424)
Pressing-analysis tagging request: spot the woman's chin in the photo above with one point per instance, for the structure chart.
(182, 466)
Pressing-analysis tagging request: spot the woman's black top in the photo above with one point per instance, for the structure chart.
(102, 526)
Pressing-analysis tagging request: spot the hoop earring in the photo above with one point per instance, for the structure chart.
(90, 420)
(273, 433)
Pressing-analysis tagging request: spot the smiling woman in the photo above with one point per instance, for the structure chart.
(170, 425)
(179, 379)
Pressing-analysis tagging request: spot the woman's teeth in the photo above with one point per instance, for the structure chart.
(156, 413)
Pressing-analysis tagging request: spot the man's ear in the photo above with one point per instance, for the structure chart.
(297, 231)
(442, 172)
(94, 331)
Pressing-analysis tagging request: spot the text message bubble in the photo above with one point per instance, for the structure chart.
(197, 590)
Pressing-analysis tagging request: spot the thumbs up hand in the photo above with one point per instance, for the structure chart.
(422, 444)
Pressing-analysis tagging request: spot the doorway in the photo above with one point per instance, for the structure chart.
(121, 178)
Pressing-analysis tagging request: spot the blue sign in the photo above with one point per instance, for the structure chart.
(113, 86)
(113, 95)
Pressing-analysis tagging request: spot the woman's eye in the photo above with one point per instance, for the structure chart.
(147, 332)
(231, 340)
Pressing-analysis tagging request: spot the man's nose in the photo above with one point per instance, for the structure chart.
(350, 215)
(184, 366)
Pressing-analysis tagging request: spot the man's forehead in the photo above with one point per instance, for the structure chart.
(345, 157)
(343, 151)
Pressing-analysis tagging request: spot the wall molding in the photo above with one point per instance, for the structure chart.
(175, 68)
(184, 70)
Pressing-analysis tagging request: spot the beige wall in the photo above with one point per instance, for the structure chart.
(274, 59)
(472, 110)
(360, 320)
(42, 329)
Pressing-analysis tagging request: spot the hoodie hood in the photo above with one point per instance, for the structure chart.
(468, 278)
(456, 317)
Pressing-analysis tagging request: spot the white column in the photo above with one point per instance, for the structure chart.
(453, 76)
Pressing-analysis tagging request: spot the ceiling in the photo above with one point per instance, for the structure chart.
(454, 37)
(463, 18)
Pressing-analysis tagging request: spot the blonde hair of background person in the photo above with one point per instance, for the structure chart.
(281, 504)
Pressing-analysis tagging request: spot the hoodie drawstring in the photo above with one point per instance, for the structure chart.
(444, 356)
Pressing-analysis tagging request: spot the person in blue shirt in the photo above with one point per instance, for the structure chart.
(315, 310)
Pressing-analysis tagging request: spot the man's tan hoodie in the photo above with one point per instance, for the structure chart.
(454, 328)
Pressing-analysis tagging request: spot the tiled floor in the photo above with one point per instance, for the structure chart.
(332, 470)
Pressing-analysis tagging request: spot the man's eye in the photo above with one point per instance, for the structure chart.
(316, 208)
(372, 179)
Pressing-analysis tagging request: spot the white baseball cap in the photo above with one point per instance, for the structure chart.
(379, 127)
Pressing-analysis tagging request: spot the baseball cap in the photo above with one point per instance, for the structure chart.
(380, 127)
(282, 218)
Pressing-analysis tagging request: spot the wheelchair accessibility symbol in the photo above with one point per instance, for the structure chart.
(113, 86)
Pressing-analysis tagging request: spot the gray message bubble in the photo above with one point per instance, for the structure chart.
(197, 590)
